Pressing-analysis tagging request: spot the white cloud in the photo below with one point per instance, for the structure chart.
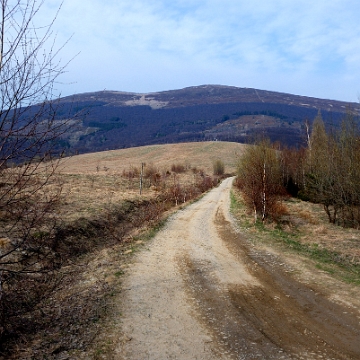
(307, 47)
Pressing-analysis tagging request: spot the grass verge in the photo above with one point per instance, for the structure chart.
(334, 263)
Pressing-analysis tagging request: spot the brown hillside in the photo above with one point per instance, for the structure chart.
(198, 154)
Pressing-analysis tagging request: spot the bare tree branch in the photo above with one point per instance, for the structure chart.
(30, 131)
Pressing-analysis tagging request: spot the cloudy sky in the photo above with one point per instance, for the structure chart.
(303, 47)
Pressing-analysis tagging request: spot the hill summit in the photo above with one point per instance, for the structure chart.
(117, 119)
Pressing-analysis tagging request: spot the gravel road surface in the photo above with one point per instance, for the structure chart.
(201, 291)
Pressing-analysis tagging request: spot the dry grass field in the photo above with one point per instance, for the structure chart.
(305, 231)
(94, 182)
(199, 154)
(313, 224)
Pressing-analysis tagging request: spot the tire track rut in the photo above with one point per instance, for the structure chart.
(201, 292)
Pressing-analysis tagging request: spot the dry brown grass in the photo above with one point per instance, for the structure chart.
(308, 224)
(94, 182)
(314, 227)
(200, 154)
(88, 194)
(305, 212)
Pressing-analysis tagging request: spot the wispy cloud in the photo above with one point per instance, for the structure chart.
(306, 47)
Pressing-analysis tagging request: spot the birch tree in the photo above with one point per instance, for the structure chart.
(318, 167)
(259, 179)
(331, 169)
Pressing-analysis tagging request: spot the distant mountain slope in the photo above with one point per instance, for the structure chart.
(211, 112)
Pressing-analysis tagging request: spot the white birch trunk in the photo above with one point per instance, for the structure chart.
(264, 192)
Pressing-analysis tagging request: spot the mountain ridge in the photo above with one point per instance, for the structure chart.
(119, 119)
(223, 92)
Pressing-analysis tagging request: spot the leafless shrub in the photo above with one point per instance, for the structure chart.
(195, 170)
(29, 141)
(150, 170)
(218, 167)
(178, 168)
(278, 211)
(131, 173)
(153, 175)
(206, 183)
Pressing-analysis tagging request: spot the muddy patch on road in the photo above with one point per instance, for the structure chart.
(276, 318)
(234, 335)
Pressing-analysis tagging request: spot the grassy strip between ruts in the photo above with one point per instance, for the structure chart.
(332, 262)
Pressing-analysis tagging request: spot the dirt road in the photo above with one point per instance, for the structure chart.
(200, 291)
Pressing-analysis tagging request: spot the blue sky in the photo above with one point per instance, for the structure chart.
(302, 47)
